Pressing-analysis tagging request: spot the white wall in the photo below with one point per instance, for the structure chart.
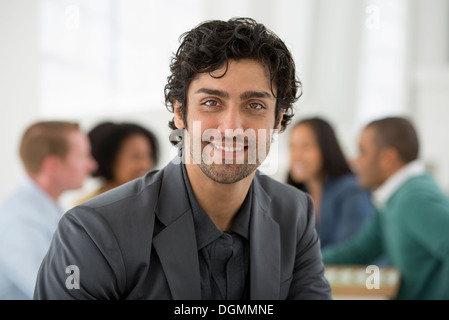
(18, 83)
(428, 97)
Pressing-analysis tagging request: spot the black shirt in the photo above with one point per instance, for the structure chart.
(223, 256)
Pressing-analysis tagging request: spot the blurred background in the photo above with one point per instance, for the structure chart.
(95, 60)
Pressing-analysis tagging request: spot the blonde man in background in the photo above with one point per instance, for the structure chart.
(56, 157)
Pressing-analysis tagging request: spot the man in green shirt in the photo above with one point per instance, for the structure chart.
(411, 224)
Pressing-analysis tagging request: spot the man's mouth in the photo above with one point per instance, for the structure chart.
(228, 149)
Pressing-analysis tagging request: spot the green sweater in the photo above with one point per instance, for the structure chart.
(413, 232)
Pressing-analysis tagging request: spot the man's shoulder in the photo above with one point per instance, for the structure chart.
(422, 184)
(133, 199)
(25, 202)
(128, 192)
(278, 188)
(290, 207)
(282, 195)
(419, 190)
(124, 214)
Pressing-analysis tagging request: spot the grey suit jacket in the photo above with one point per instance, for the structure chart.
(138, 242)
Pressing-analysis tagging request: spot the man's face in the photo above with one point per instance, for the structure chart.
(368, 164)
(230, 120)
(78, 164)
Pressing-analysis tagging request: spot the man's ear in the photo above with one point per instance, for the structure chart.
(390, 157)
(179, 123)
(50, 164)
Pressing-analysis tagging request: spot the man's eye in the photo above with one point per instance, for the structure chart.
(256, 106)
(211, 103)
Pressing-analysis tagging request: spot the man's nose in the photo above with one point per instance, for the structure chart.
(230, 121)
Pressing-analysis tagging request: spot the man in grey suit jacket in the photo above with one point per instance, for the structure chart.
(208, 225)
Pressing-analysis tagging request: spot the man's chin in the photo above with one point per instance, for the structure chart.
(228, 173)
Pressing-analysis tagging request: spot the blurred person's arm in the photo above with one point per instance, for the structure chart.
(425, 216)
(356, 210)
(23, 246)
(364, 248)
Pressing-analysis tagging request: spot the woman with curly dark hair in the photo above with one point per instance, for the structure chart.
(123, 151)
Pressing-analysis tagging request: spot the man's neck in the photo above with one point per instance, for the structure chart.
(220, 201)
(47, 186)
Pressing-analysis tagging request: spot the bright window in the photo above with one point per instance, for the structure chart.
(108, 56)
(382, 67)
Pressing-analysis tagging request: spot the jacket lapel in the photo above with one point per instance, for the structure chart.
(264, 247)
(178, 252)
(176, 244)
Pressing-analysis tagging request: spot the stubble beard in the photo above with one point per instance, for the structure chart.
(224, 170)
(226, 173)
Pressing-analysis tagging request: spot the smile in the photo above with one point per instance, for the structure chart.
(228, 149)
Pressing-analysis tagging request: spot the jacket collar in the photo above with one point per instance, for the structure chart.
(176, 243)
(265, 248)
(177, 248)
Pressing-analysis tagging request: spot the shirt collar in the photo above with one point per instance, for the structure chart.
(386, 190)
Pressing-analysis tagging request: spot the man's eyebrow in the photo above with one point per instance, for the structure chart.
(255, 94)
(244, 96)
(213, 92)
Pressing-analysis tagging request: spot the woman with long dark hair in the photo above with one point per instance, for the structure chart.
(319, 167)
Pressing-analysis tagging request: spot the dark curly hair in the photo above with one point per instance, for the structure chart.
(211, 44)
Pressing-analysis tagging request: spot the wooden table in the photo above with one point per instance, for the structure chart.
(362, 282)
